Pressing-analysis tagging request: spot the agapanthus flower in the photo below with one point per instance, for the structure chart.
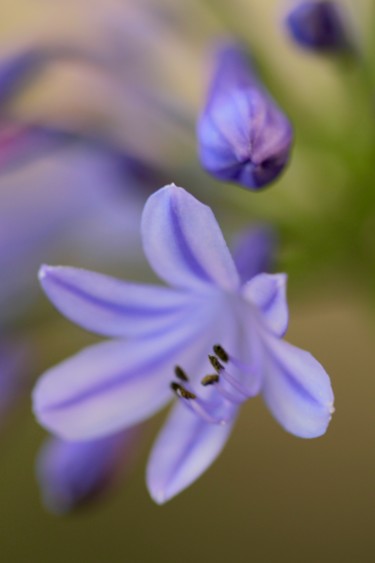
(209, 338)
(318, 26)
(243, 136)
(71, 474)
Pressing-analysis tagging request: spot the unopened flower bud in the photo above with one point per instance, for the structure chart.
(243, 136)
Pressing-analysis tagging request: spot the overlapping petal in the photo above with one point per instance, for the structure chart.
(185, 448)
(268, 293)
(112, 307)
(184, 243)
(296, 389)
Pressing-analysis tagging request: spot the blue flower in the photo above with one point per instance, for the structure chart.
(318, 26)
(243, 136)
(207, 322)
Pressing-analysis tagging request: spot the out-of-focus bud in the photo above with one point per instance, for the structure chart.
(70, 474)
(318, 26)
(243, 136)
(254, 251)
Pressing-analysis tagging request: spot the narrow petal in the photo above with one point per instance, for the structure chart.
(185, 448)
(70, 474)
(113, 385)
(184, 243)
(112, 307)
(297, 390)
(268, 293)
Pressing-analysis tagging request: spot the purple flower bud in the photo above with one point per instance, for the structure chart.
(243, 136)
(72, 473)
(318, 26)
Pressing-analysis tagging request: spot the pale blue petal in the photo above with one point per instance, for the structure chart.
(268, 293)
(296, 389)
(184, 243)
(113, 307)
(184, 449)
(113, 385)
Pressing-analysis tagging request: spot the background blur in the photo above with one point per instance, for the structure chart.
(133, 83)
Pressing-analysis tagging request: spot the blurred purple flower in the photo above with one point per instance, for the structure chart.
(71, 474)
(116, 384)
(318, 26)
(242, 135)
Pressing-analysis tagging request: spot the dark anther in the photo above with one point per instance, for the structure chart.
(179, 372)
(221, 353)
(215, 363)
(181, 391)
(210, 379)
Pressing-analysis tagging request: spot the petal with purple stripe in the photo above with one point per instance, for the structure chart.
(112, 307)
(184, 449)
(296, 389)
(184, 243)
(116, 384)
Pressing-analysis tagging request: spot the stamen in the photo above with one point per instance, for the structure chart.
(210, 379)
(221, 353)
(181, 391)
(215, 380)
(216, 364)
(179, 372)
(236, 384)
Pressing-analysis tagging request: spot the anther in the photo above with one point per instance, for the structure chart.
(210, 380)
(221, 353)
(179, 372)
(181, 391)
(216, 364)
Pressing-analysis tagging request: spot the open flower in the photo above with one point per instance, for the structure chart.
(219, 336)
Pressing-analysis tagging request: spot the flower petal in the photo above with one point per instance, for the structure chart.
(112, 307)
(184, 243)
(184, 449)
(268, 293)
(113, 385)
(297, 389)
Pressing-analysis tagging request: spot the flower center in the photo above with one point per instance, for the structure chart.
(228, 391)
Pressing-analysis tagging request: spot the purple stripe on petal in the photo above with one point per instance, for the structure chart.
(184, 449)
(297, 390)
(184, 243)
(113, 307)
